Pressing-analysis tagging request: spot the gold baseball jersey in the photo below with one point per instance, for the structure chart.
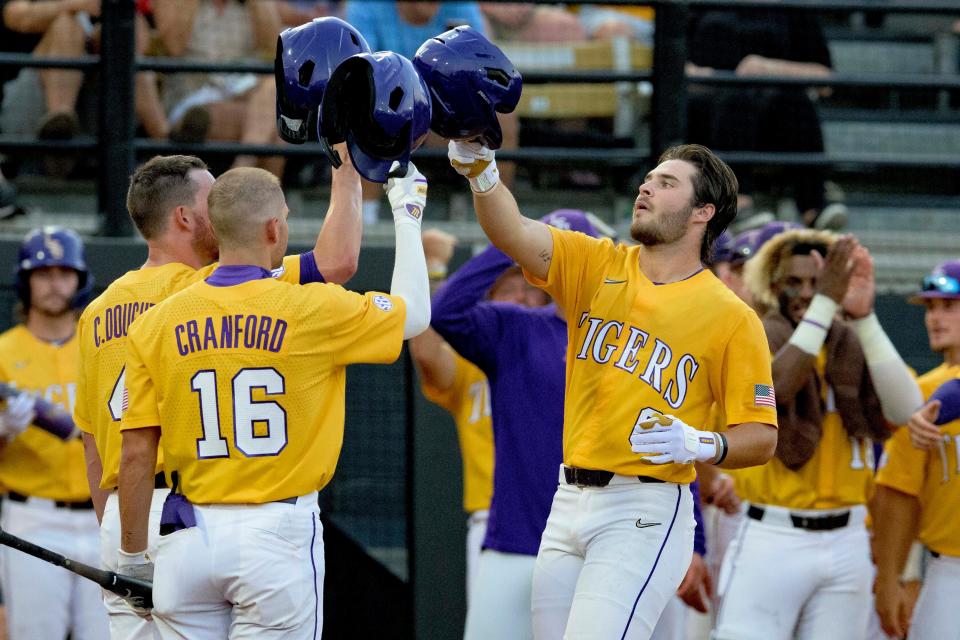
(247, 382)
(839, 474)
(468, 401)
(102, 332)
(635, 347)
(931, 476)
(36, 463)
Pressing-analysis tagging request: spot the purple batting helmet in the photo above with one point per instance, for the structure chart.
(380, 105)
(53, 246)
(470, 80)
(571, 220)
(943, 282)
(306, 58)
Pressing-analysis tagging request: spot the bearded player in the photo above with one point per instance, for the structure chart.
(167, 201)
(654, 340)
(243, 376)
(48, 501)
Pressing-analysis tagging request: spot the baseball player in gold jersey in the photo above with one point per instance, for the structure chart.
(167, 201)
(919, 483)
(654, 340)
(48, 501)
(459, 386)
(244, 377)
(838, 385)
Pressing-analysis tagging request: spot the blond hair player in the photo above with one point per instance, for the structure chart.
(167, 200)
(838, 385)
(654, 340)
(243, 376)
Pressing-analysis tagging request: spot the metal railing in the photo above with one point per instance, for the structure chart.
(117, 146)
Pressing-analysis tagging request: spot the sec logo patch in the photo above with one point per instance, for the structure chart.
(383, 303)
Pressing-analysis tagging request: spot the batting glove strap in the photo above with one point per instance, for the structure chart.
(475, 162)
(673, 442)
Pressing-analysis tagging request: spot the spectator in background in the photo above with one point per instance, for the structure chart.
(526, 22)
(402, 27)
(606, 22)
(221, 106)
(757, 42)
(61, 28)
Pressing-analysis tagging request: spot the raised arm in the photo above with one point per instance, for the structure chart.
(527, 241)
(408, 197)
(896, 388)
(793, 361)
(337, 249)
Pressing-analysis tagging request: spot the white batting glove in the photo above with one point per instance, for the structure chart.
(18, 414)
(407, 194)
(665, 438)
(475, 162)
(139, 566)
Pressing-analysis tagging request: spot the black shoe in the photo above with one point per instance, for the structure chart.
(193, 127)
(58, 125)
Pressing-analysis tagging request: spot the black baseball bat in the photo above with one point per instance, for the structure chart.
(50, 417)
(140, 592)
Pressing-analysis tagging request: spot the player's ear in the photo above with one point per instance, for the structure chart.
(273, 230)
(182, 218)
(704, 213)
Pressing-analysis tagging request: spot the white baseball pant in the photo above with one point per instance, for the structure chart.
(780, 582)
(476, 532)
(245, 571)
(125, 624)
(42, 600)
(672, 624)
(933, 618)
(610, 559)
(500, 607)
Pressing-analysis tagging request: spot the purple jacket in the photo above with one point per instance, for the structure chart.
(522, 351)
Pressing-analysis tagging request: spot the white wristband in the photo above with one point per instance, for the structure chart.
(487, 180)
(811, 333)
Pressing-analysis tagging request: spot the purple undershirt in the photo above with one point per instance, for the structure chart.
(228, 275)
(522, 352)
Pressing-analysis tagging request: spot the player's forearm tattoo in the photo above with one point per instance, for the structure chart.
(546, 256)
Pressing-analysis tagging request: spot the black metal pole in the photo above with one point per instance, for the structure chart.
(668, 124)
(117, 59)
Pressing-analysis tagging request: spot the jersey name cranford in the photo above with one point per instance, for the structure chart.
(601, 345)
(230, 332)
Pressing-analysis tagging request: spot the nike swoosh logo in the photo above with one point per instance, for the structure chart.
(644, 525)
(609, 281)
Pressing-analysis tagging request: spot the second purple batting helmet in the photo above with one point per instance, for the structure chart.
(380, 105)
(470, 81)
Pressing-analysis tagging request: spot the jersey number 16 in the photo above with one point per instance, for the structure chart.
(247, 414)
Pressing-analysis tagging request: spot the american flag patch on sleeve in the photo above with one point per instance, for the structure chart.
(763, 396)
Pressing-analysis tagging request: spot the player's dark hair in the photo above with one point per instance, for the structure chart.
(714, 183)
(157, 186)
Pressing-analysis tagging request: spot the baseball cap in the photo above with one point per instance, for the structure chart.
(747, 244)
(943, 282)
(571, 220)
